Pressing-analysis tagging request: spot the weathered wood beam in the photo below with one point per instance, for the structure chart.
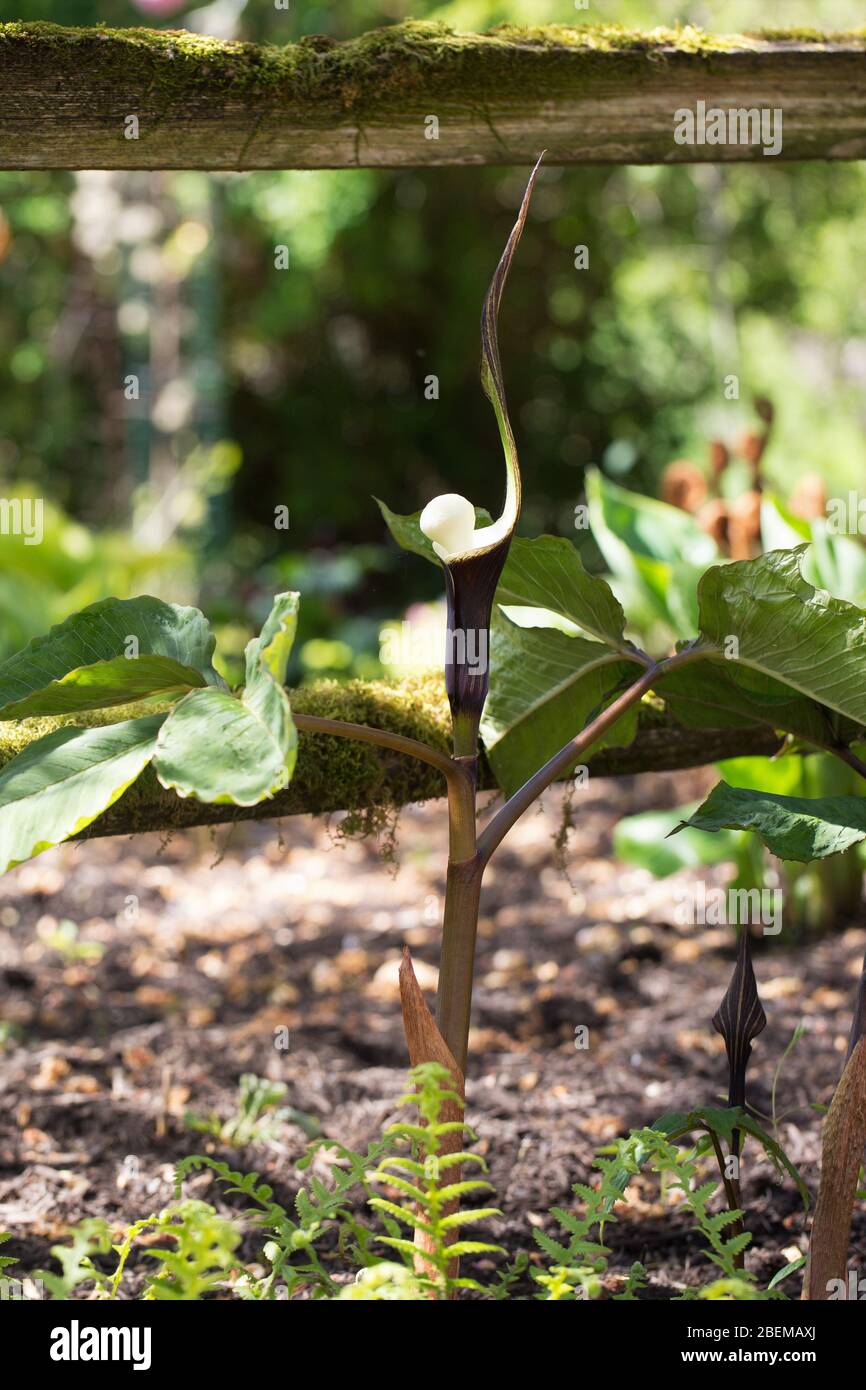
(143, 99)
(336, 774)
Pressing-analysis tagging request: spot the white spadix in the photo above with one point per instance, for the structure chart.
(449, 522)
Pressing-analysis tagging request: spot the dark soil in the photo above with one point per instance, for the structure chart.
(204, 962)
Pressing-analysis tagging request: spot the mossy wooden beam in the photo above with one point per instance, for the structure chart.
(336, 774)
(142, 99)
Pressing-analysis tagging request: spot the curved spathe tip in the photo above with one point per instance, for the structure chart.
(449, 520)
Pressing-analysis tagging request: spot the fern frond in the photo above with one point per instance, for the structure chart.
(394, 1180)
(472, 1247)
(455, 1190)
(467, 1218)
(402, 1214)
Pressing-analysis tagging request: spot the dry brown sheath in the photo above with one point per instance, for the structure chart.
(858, 1022)
(841, 1156)
(426, 1044)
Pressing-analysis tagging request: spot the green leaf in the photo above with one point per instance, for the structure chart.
(409, 1189)
(62, 782)
(833, 562)
(785, 1271)
(467, 1218)
(267, 659)
(228, 750)
(627, 523)
(552, 1248)
(548, 573)
(789, 775)
(780, 528)
(473, 1247)
(722, 695)
(723, 1122)
(792, 827)
(213, 747)
(408, 1216)
(544, 687)
(270, 651)
(82, 663)
(409, 536)
(787, 630)
(456, 1190)
(641, 840)
(737, 1243)
(406, 1247)
(547, 677)
(656, 551)
(116, 682)
(837, 564)
(5, 1260)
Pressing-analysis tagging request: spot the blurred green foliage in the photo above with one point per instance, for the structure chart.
(71, 567)
(316, 373)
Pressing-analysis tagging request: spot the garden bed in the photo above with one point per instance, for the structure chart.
(288, 928)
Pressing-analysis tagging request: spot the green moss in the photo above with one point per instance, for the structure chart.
(417, 708)
(800, 35)
(381, 69)
(17, 734)
(614, 39)
(162, 60)
(364, 773)
(332, 774)
(337, 774)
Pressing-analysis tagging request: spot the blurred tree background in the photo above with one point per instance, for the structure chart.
(304, 387)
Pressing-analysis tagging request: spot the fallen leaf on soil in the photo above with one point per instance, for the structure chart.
(696, 1040)
(137, 1058)
(385, 984)
(51, 1072)
(36, 1138)
(325, 977)
(825, 998)
(602, 1126)
(781, 987)
(82, 1085)
(153, 997)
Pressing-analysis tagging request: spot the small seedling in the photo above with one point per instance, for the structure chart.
(258, 1117)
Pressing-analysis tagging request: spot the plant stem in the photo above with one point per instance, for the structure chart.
(497, 828)
(469, 854)
(460, 772)
(846, 756)
(398, 743)
(465, 736)
(463, 882)
(732, 1193)
(858, 1021)
(726, 1181)
(462, 900)
(457, 958)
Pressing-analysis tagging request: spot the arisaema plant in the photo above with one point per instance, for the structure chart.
(540, 670)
